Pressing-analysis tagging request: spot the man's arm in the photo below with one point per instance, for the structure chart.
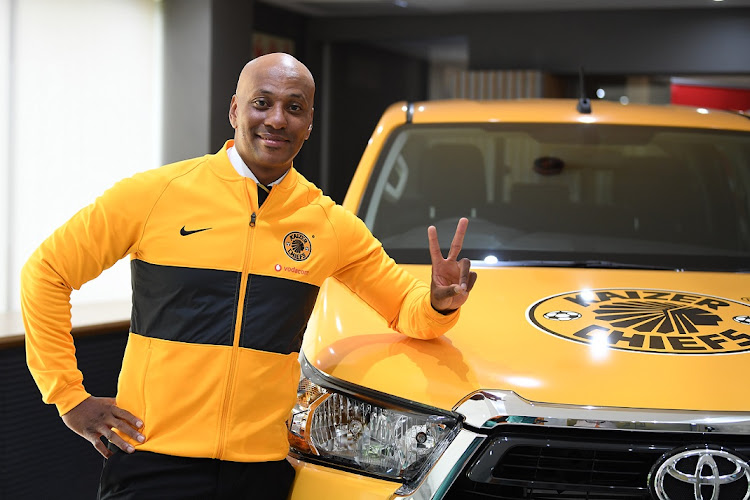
(91, 241)
(406, 303)
(50, 355)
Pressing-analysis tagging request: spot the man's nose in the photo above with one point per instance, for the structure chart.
(276, 118)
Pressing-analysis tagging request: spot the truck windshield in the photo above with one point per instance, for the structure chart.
(574, 194)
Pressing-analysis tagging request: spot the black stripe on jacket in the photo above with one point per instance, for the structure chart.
(199, 306)
(276, 313)
(184, 304)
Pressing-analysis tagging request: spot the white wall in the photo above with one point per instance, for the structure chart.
(85, 87)
(5, 37)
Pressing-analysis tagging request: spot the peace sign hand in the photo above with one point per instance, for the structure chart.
(451, 280)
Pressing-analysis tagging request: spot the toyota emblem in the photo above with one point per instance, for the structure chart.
(701, 473)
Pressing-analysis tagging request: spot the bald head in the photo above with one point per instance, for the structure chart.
(276, 65)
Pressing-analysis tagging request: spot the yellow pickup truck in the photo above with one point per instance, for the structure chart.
(604, 351)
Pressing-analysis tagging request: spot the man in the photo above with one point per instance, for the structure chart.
(210, 370)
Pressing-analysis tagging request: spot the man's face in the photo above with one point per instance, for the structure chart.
(272, 117)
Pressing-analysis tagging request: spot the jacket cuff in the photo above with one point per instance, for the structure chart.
(440, 317)
(440, 323)
(70, 398)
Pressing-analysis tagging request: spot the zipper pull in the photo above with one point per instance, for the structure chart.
(252, 220)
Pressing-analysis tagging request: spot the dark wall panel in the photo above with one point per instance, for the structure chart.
(231, 49)
(40, 458)
(364, 81)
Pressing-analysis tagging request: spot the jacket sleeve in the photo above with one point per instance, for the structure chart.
(367, 270)
(93, 240)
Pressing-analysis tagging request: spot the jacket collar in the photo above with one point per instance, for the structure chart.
(221, 165)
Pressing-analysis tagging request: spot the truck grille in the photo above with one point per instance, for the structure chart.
(587, 464)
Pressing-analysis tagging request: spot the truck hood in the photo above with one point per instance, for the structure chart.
(591, 337)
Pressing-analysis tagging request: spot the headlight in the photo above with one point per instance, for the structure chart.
(353, 427)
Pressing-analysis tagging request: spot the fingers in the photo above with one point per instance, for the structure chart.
(129, 431)
(452, 280)
(442, 293)
(116, 440)
(467, 277)
(458, 238)
(127, 424)
(101, 448)
(461, 288)
(132, 421)
(472, 280)
(451, 297)
(96, 418)
(456, 244)
(435, 254)
(463, 278)
(111, 436)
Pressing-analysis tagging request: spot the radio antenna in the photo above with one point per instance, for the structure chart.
(584, 103)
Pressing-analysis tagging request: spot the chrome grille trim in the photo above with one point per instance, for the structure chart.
(451, 463)
(489, 408)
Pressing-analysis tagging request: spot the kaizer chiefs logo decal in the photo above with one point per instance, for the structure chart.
(297, 246)
(656, 321)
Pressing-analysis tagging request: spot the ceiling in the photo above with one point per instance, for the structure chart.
(354, 8)
(457, 50)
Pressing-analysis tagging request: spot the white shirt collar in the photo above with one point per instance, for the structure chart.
(243, 170)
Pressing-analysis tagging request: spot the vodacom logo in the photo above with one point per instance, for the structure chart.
(657, 321)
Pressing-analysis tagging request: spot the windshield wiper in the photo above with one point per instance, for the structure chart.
(592, 264)
(608, 264)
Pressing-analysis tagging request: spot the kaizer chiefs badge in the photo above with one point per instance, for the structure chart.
(297, 246)
(646, 320)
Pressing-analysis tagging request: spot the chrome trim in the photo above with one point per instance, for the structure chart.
(487, 409)
(447, 468)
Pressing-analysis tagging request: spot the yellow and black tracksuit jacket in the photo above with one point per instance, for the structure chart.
(222, 291)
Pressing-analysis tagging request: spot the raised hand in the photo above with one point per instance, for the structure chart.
(451, 280)
(97, 417)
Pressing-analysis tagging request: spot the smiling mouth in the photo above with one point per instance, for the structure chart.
(273, 140)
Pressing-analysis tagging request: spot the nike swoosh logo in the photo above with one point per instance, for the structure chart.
(185, 232)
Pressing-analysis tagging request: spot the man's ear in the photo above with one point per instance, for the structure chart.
(309, 128)
(233, 111)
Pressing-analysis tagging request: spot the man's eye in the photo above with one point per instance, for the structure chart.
(260, 103)
(295, 107)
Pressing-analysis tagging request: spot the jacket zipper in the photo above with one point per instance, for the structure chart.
(244, 284)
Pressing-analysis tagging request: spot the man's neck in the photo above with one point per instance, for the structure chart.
(261, 176)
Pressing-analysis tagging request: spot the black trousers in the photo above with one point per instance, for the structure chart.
(144, 476)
